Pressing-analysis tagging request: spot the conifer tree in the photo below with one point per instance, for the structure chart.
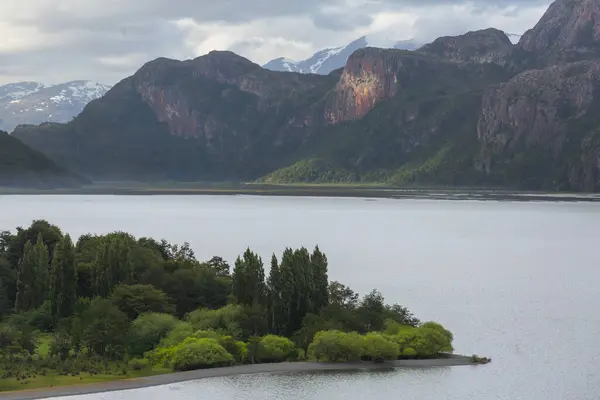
(5, 306)
(249, 279)
(25, 279)
(42, 276)
(63, 280)
(274, 294)
(319, 264)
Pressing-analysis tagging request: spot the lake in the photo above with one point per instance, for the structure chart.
(516, 281)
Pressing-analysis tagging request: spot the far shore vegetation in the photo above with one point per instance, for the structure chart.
(113, 306)
(355, 190)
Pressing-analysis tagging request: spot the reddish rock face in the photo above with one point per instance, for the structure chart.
(195, 97)
(373, 75)
(369, 77)
(568, 31)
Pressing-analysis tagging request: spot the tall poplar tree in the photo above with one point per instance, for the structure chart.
(274, 295)
(63, 280)
(319, 264)
(5, 306)
(25, 279)
(249, 279)
(42, 275)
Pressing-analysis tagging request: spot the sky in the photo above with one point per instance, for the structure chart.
(54, 41)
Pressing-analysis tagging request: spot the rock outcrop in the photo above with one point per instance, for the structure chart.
(374, 75)
(569, 31)
(484, 46)
(543, 125)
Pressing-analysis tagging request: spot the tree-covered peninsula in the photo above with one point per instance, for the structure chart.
(114, 306)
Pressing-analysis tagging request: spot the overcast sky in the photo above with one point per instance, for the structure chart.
(54, 41)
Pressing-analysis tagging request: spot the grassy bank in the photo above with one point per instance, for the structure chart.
(54, 379)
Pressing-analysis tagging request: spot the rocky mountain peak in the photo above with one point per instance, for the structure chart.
(483, 46)
(568, 31)
(34, 102)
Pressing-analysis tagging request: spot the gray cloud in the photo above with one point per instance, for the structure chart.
(104, 39)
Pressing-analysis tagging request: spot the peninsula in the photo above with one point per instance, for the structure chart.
(145, 312)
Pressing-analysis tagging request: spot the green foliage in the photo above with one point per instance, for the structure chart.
(234, 347)
(206, 334)
(4, 301)
(313, 170)
(201, 353)
(378, 348)
(148, 329)
(342, 296)
(25, 278)
(135, 300)
(139, 319)
(178, 334)
(334, 345)
(249, 279)
(225, 320)
(427, 340)
(63, 280)
(32, 276)
(105, 328)
(274, 348)
(297, 286)
(138, 364)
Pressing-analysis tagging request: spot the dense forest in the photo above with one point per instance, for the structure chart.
(113, 305)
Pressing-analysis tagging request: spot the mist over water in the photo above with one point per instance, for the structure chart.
(514, 281)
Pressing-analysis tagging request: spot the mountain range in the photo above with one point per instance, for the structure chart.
(325, 61)
(469, 110)
(34, 102)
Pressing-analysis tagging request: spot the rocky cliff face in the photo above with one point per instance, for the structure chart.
(569, 31)
(197, 104)
(544, 124)
(373, 75)
(484, 46)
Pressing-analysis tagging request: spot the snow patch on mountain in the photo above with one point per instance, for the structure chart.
(34, 102)
(327, 60)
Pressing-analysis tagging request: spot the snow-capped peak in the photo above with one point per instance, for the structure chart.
(327, 60)
(34, 103)
(322, 62)
(15, 91)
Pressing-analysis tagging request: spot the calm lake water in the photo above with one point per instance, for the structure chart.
(515, 281)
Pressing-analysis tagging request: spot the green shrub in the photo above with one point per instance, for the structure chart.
(236, 348)
(334, 345)
(201, 353)
(178, 334)
(162, 355)
(138, 364)
(148, 329)
(207, 334)
(224, 320)
(378, 348)
(275, 348)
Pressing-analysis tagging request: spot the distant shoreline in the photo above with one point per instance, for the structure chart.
(353, 191)
(287, 367)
